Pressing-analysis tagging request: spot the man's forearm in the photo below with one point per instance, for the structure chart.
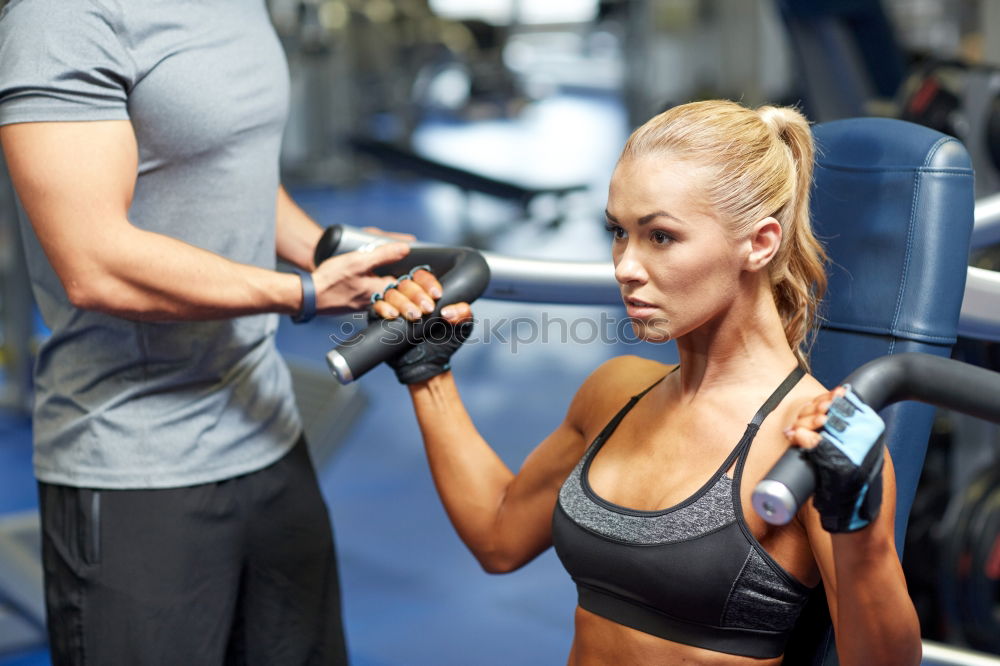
(149, 276)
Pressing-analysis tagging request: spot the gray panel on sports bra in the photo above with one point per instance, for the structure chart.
(709, 511)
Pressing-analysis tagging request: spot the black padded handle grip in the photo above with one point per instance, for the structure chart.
(941, 382)
(462, 272)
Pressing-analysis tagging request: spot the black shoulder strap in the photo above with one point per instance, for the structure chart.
(779, 394)
(743, 448)
(613, 423)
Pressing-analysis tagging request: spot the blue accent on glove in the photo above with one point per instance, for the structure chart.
(852, 426)
(857, 522)
(848, 464)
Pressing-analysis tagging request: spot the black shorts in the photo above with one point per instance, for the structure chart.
(240, 571)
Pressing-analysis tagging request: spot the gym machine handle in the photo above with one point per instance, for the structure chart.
(938, 381)
(462, 272)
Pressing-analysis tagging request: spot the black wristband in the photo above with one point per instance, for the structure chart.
(308, 309)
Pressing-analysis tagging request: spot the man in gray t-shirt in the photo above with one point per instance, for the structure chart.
(180, 511)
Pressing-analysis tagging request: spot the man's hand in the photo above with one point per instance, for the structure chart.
(346, 281)
(405, 238)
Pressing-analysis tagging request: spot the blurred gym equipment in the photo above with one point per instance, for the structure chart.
(851, 63)
(366, 74)
(16, 307)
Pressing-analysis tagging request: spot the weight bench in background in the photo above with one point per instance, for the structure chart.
(404, 158)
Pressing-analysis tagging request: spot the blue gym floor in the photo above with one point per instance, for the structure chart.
(412, 594)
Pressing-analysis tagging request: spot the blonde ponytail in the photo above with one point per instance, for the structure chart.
(798, 272)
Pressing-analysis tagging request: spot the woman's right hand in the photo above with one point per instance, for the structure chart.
(442, 336)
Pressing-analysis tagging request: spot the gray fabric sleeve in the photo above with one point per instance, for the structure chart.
(62, 61)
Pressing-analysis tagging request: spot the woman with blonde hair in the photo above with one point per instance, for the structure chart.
(644, 488)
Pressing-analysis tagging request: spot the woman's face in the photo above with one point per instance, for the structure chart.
(676, 262)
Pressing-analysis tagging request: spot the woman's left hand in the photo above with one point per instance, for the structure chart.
(840, 435)
(812, 416)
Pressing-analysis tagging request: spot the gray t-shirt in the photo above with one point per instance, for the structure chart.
(126, 404)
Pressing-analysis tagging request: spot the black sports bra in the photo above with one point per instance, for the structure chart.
(693, 573)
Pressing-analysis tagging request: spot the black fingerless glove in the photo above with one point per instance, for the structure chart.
(848, 465)
(432, 355)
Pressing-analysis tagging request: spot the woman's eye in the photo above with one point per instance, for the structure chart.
(660, 238)
(616, 231)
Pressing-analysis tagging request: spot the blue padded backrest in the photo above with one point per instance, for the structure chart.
(893, 203)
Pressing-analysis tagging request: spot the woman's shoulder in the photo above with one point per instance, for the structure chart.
(807, 388)
(800, 395)
(627, 374)
(612, 384)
